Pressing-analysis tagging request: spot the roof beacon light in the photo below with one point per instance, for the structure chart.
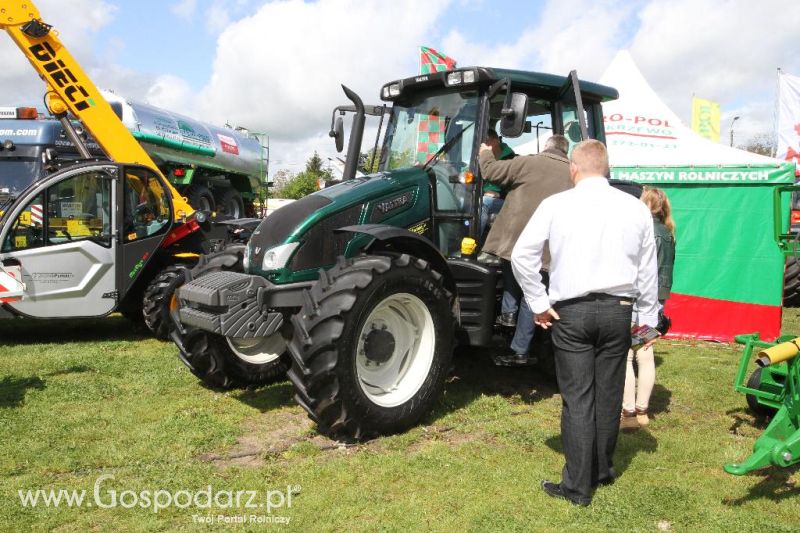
(27, 113)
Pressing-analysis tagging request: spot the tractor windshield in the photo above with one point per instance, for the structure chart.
(421, 126)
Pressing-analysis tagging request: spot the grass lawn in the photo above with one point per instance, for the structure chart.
(82, 400)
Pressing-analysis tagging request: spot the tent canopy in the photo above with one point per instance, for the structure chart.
(728, 270)
(643, 132)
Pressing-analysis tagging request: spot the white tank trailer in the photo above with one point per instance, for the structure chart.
(218, 169)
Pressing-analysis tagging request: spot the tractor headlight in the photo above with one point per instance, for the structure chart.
(277, 257)
(454, 78)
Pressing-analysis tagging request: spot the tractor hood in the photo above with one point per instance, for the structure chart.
(400, 198)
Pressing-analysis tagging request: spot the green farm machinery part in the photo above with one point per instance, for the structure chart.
(779, 445)
(774, 386)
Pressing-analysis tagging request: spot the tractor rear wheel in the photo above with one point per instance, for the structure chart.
(372, 345)
(223, 363)
(791, 283)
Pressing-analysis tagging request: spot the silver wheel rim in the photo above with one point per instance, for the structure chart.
(205, 204)
(258, 350)
(399, 378)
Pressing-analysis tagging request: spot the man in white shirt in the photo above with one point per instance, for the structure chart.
(603, 263)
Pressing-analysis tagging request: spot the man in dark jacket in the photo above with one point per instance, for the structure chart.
(528, 180)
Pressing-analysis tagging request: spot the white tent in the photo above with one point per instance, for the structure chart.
(643, 132)
(728, 269)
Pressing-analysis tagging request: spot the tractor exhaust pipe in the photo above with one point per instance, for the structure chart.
(356, 135)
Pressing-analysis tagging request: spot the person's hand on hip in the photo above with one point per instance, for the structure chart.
(545, 320)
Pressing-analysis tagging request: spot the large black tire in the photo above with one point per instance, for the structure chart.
(329, 347)
(230, 203)
(210, 357)
(159, 300)
(200, 197)
(754, 382)
(791, 283)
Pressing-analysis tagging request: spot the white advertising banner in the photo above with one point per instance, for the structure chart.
(789, 119)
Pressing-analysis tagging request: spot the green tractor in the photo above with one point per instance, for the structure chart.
(361, 289)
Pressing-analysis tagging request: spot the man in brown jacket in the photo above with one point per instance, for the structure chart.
(528, 180)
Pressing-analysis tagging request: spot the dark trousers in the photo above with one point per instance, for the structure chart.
(590, 342)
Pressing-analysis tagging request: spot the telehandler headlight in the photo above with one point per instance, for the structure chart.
(394, 90)
(277, 257)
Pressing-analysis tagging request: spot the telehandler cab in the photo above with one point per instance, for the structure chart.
(362, 286)
(100, 235)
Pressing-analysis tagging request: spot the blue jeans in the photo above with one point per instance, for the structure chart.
(489, 206)
(512, 300)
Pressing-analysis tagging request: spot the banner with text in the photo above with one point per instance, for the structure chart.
(705, 118)
(789, 119)
(706, 175)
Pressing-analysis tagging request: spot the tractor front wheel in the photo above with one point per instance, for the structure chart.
(372, 345)
(226, 363)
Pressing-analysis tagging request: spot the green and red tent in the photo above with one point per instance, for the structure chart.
(728, 269)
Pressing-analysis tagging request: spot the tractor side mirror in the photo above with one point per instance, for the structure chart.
(338, 134)
(513, 122)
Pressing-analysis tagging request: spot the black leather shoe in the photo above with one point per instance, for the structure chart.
(556, 491)
(508, 320)
(513, 359)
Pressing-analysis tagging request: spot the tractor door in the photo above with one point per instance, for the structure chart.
(570, 112)
(60, 241)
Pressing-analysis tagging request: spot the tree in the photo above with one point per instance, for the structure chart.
(306, 181)
(762, 143)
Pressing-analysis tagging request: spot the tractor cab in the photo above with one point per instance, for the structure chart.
(438, 122)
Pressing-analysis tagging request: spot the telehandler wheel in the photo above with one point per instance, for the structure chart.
(791, 283)
(754, 382)
(372, 345)
(159, 300)
(222, 363)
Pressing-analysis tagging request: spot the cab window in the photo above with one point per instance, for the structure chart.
(147, 207)
(28, 229)
(75, 209)
(79, 208)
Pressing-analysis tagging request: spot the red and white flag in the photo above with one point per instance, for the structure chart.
(789, 119)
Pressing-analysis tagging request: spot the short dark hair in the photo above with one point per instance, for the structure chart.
(492, 134)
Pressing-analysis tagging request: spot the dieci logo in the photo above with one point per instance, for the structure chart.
(62, 76)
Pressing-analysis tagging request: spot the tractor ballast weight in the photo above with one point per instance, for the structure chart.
(779, 445)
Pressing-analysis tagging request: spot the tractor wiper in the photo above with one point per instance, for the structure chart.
(446, 146)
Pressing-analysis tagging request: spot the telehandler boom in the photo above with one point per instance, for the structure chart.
(101, 235)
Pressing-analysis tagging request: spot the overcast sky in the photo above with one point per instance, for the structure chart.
(277, 66)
